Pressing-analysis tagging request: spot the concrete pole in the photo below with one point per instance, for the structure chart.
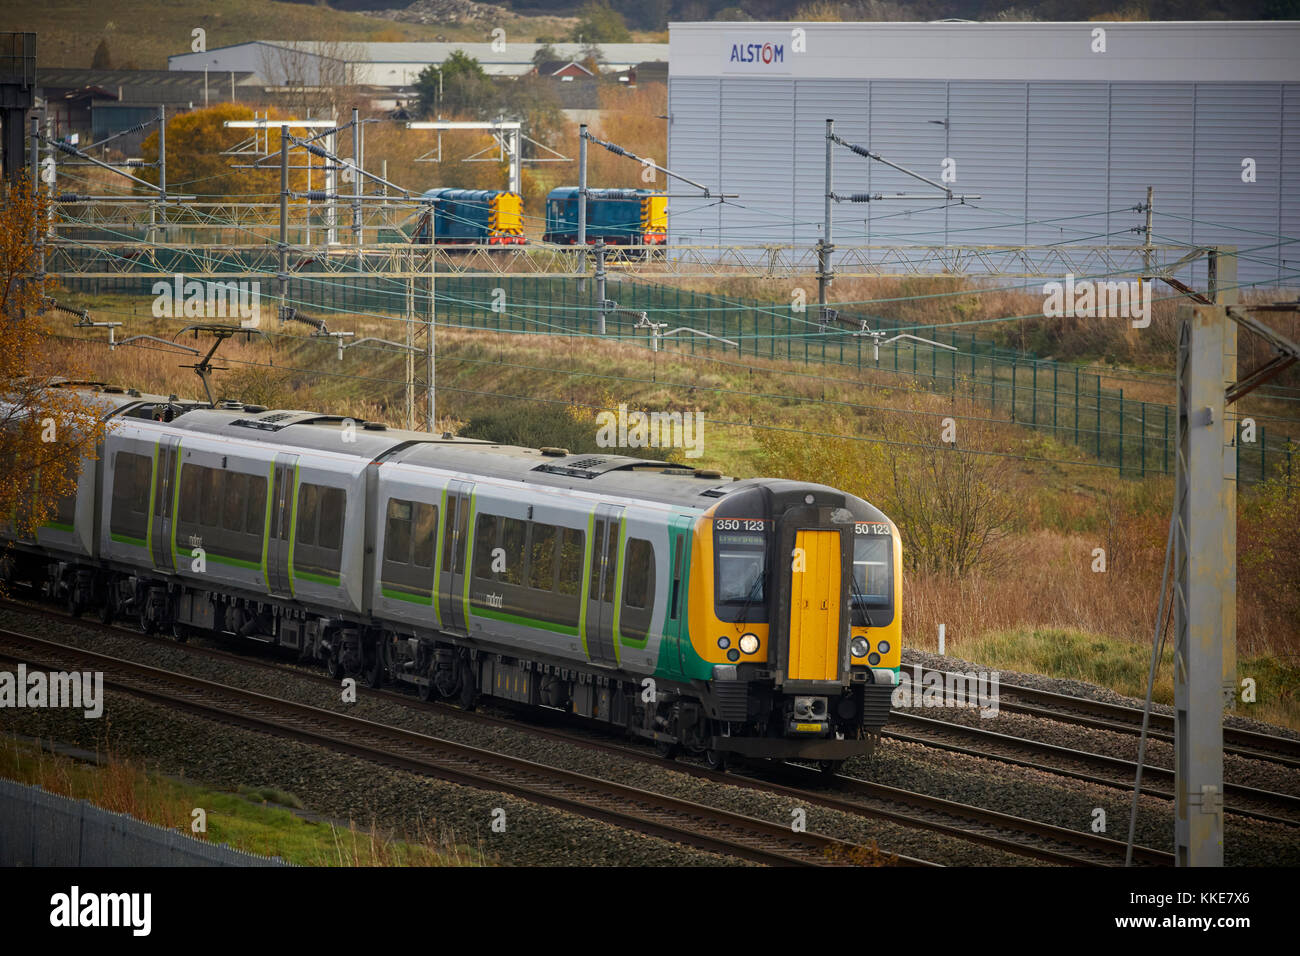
(600, 285)
(582, 184)
(331, 190)
(582, 200)
(283, 278)
(433, 325)
(824, 247)
(516, 160)
(1204, 580)
(1223, 283)
(356, 182)
(412, 340)
(162, 153)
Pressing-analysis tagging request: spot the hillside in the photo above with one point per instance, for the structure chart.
(1026, 591)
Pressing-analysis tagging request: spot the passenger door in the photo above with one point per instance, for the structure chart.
(680, 535)
(284, 472)
(164, 495)
(603, 586)
(455, 542)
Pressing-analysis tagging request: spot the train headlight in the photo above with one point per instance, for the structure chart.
(883, 647)
(724, 642)
(859, 647)
(749, 643)
(733, 655)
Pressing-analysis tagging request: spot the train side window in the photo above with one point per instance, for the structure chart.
(329, 534)
(424, 528)
(514, 533)
(190, 494)
(256, 505)
(131, 479)
(611, 560)
(597, 540)
(210, 505)
(541, 557)
(639, 572)
(570, 571)
(308, 502)
(675, 600)
(448, 535)
(397, 532)
(485, 539)
(236, 501)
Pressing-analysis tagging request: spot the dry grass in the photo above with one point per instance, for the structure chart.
(253, 820)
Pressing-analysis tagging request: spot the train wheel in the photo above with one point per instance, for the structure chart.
(73, 606)
(146, 624)
(716, 760)
(108, 610)
(668, 751)
(425, 692)
(829, 768)
(375, 672)
(333, 666)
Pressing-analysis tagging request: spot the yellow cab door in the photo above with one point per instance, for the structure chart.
(815, 606)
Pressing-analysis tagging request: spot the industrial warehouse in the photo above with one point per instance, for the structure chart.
(1060, 127)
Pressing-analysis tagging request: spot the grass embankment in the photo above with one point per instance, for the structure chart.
(1123, 666)
(1037, 576)
(257, 820)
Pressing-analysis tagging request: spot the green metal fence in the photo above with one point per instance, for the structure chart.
(1060, 399)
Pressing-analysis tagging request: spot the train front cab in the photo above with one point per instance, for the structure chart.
(795, 607)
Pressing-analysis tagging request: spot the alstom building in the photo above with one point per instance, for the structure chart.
(1058, 127)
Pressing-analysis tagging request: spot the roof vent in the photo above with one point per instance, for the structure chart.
(374, 426)
(255, 409)
(133, 392)
(553, 452)
(114, 389)
(230, 404)
(707, 473)
(447, 436)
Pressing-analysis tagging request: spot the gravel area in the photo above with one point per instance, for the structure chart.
(658, 777)
(1077, 688)
(359, 790)
(346, 788)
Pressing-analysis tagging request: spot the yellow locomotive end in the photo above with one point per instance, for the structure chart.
(654, 219)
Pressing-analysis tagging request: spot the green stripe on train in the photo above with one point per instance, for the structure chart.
(567, 629)
(397, 594)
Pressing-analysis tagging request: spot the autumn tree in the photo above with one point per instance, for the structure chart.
(102, 60)
(458, 85)
(45, 431)
(195, 164)
(600, 23)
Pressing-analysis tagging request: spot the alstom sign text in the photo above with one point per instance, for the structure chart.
(756, 55)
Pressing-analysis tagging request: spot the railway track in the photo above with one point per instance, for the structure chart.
(1015, 835)
(1104, 770)
(643, 811)
(1103, 715)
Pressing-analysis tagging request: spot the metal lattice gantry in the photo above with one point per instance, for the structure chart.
(87, 259)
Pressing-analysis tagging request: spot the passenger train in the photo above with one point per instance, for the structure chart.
(720, 616)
